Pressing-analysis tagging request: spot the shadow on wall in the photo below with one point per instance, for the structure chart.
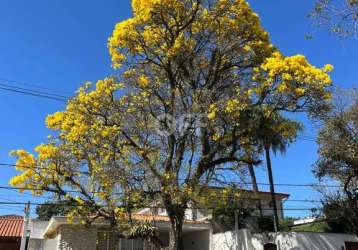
(224, 241)
(227, 241)
(77, 238)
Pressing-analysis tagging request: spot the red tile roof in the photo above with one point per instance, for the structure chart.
(11, 226)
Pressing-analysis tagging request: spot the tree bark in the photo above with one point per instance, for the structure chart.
(176, 231)
(255, 186)
(272, 187)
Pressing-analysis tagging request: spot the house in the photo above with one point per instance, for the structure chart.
(58, 234)
(248, 198)
(198, 233)
(11, 227)
(36, 241)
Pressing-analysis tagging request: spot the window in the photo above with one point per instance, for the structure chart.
(154, 210)
(270, 204)
(161, 210)
(194, 214)
(204, 212)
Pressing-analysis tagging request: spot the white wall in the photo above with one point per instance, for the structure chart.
(51, 244)
(223, 241)
(227, 241)
(43, 244)
(189, 213)
(77, 238)
(303, 241)
(37, 228)
(36, 242)
(284, 241)
(268, 210)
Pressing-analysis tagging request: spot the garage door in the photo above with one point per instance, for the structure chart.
(9, 245)
(270, 246)
(351, 245)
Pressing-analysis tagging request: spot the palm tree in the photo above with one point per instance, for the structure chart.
(252, 155)
(275, 133)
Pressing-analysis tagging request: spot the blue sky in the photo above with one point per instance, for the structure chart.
(61, 44)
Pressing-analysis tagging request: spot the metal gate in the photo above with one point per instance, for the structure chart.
(9, 244)
(351, 245)
(270, 246)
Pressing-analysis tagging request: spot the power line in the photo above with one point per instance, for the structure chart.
(57, 97)
(8, 208)
(33, 92)
(224, 182)
(5, 199)
(301, 185)
(238, 198)
(120, 206)
(74, 191)
(40, 189)
(282, 184)
(7, 165)
(26, 194)
(38, 167)
(26, 84)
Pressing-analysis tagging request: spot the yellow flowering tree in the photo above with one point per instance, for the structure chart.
(193, 73)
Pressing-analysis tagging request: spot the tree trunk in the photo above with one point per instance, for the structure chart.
(176, 232)
(255, 186)
(272, 187)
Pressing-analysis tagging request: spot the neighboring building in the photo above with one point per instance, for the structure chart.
(11, 227)
(248, 199)
(306, 221)
(36, 241)
(198, 232)
(58, 234)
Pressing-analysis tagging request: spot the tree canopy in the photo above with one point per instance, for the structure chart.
(339, 16)
(338, 160)
(338, 144)
(195, 77)
(48, 209)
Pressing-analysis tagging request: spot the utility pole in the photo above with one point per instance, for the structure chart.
(26, 231)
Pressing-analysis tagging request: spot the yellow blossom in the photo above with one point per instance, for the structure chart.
(143, 81)
(212, 111)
